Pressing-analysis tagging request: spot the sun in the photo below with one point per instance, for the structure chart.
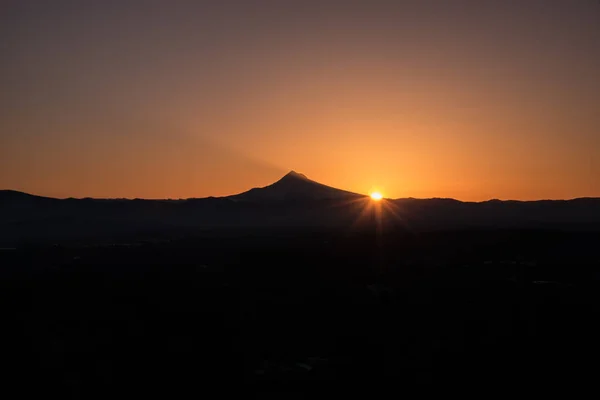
(376, 196)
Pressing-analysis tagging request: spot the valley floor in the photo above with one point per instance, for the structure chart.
(299, 314)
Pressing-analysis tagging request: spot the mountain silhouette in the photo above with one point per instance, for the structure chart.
(294, 187)
(13, 197)
(294, 201)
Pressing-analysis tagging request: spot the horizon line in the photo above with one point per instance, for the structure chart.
(167, 199)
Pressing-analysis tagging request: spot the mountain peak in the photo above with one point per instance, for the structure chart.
(295, 175)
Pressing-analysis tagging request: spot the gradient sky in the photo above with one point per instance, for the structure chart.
(471, 99)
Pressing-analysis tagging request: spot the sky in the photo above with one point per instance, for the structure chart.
(470, 99)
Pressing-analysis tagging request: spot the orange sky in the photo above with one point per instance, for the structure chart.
(466, 99)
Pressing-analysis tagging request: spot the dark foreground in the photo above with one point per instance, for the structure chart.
(287, 315)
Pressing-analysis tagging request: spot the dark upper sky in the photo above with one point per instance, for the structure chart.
(472, 99)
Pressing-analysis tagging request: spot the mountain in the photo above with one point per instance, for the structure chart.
(294, 201)
(294, 187)
(13, 197)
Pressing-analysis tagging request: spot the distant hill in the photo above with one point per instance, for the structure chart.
(15, 197)
(294, 201)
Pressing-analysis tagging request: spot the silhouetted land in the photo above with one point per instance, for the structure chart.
(291, 311)
(295, 289)
(294, 201)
